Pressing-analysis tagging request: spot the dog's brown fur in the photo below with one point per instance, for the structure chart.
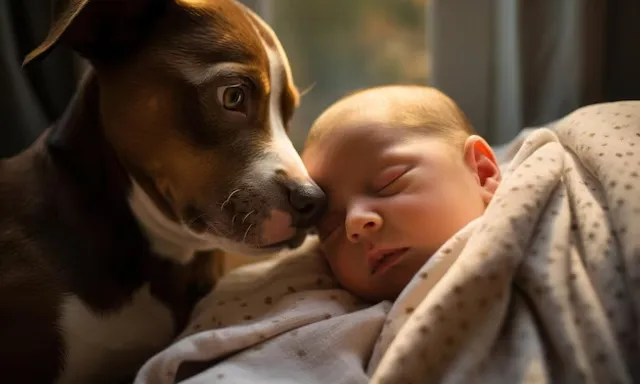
(66, 224)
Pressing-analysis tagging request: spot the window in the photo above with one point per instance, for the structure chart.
(336, 47)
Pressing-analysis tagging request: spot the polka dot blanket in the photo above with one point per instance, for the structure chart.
(545, 286)
(280, 321)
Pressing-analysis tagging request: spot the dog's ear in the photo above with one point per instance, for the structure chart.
(99, 29)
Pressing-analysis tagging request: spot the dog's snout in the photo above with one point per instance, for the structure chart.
(308, 202)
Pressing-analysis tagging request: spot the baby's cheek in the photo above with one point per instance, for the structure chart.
(347, 268)
(332, 256)
(431, 222)
(343, 266)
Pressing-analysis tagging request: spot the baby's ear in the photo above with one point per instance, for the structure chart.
(479, 156)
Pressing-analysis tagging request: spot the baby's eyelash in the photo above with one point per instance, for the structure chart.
(396, 173)
(391, 182)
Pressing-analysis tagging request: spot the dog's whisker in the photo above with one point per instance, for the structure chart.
(223, 231)
(212, 229)
(190, 222)
(244, 238)
(308, 89)
(246, 216)
(233, 220)
(229, 198)
(215, 230)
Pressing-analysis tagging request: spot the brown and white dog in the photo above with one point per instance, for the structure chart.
(175, 143)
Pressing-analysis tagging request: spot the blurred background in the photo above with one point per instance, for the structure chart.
(508, 63)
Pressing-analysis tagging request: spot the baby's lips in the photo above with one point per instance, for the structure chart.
(375, 255)
(377, 258)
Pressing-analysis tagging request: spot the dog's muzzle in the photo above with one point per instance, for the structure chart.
(267, 210)
(308, 203)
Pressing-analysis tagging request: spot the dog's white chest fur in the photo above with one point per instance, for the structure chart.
(122, 341)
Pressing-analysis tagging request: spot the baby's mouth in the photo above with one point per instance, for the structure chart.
(383, 260)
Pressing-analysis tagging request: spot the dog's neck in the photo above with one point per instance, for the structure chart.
(77, 144)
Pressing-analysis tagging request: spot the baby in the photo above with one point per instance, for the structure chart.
(404, 171)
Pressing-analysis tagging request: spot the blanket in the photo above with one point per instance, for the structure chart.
(281, 321)
(545, 286)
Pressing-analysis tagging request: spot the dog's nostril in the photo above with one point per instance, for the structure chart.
(304, 208)
(308, 202)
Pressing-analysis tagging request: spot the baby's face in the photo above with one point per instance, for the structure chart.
(394, 199)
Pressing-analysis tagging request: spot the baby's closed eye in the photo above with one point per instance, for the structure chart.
(386, 182)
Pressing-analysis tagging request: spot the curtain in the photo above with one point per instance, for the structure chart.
(512, 64)
(31, 98)
(508, 63)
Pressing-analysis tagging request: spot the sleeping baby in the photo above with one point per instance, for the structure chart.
(533, 277)
(528, 278)
(404, 171)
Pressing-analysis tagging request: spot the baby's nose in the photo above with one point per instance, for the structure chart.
(362, 225)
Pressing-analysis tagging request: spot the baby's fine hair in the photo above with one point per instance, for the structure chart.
(420, 108)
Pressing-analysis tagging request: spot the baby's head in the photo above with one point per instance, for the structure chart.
(404, 172)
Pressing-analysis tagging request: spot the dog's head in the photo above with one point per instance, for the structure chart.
(195, 97)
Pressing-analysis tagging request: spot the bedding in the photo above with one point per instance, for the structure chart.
(281, 321)
(544, 287)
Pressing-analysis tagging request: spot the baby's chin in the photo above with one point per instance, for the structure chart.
(391, 284)
(387, 287)
(377, 295)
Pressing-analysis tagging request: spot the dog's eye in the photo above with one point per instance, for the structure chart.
(232, 97)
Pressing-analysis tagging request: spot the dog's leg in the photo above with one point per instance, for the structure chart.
(182, 286)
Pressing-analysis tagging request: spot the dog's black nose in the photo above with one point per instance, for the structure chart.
(308, 202)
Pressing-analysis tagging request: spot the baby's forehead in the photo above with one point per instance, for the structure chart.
(357, 153)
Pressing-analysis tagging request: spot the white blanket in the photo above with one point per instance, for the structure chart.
(281, 321)
(543, 288)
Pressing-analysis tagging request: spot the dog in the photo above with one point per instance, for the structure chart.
(175, 144)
